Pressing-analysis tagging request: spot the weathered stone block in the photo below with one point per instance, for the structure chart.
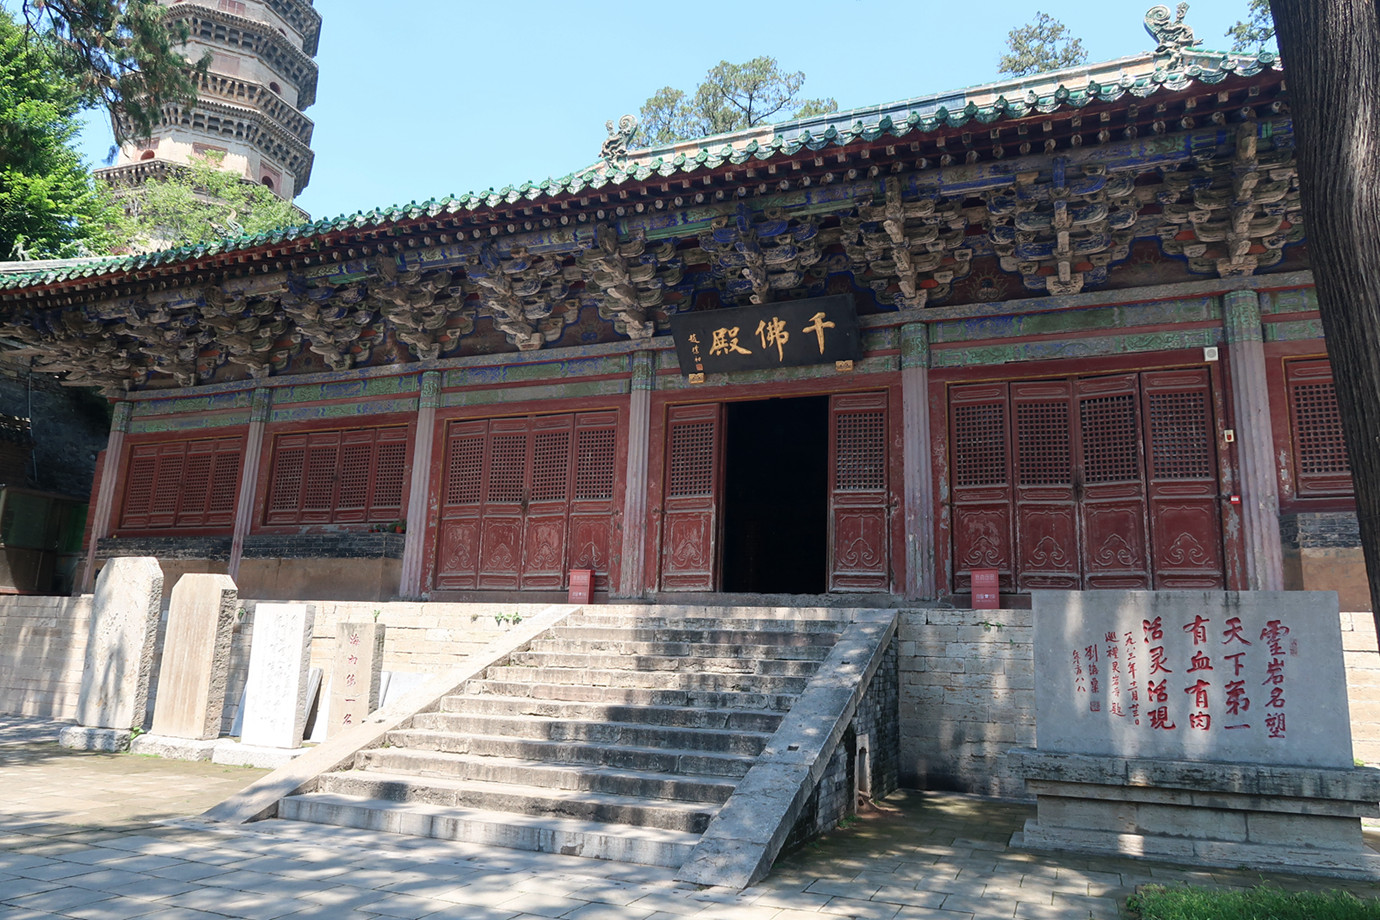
(196, 658)
(120, 646)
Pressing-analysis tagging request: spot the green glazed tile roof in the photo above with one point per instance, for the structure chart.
(902, 120)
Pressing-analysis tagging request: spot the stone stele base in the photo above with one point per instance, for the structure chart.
(1304, 820)
(173, 748)
(86, 738)
(235, 754)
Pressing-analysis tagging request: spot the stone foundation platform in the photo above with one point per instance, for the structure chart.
(1287, 819)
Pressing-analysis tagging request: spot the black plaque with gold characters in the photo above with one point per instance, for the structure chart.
(820, 330)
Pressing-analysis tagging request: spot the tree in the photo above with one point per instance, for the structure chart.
(1332, 51)
(1042, 45)
(1258, 30)
(199, 204)
(49, 205)
(730, 98)
(120, 54)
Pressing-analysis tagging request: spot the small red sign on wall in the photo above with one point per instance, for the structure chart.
(986, 595)
(581, 585)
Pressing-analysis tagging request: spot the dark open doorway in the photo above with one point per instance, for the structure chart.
(776, 496)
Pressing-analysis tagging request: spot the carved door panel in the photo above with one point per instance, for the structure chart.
(462, 491)
(858, 527)
(981, 494)
(548, 503)
(1111, 480)
(1046, 503)
(1185, 514)
(592, 506)
(507, 465)
(690, 509)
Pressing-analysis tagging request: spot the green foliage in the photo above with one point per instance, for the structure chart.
(119, 53)
(49, 205)
(1257, 31)
(1186, 902)
(200, 204)
(1041, 45)
(731, 97)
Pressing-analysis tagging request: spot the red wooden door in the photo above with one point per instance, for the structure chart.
(592, 506)
(1046, 504)
(1185, 514)
(693, 483)
(507, 462)
(547, 503)
(1111, 482)
(858, 512)
(462, 491)
(981, 495)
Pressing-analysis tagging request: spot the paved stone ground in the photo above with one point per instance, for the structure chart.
(106, 837)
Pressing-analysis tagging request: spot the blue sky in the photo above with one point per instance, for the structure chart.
(424, 98)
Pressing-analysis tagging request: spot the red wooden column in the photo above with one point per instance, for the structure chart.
(105, 497)
(917, 480)
(635, 474)
(1254, 442)
(249, 476)
(419, 496)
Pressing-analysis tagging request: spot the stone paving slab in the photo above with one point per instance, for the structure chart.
(114, 837)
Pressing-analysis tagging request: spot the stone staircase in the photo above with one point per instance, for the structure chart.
(616, 734)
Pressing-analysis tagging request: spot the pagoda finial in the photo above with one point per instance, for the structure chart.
(1174, 35)
(615, 149)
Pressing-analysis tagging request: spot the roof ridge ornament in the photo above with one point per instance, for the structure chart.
(615, 149)
(1174, 36)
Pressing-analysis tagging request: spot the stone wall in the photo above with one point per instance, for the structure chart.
(42, 650)
(967, 697)
(1322, 552)
(69, 427)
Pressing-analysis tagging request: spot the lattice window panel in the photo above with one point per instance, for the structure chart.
(979, 444)
(691, 464)
(1111, 449)
(143, 466)
(1042, 444)
(389, 468)
(356, 464)
(167, 489)
(318, 485)
(507, 466)
(196, 483)
(594, 460)
(286, 490)
(465, 470)
(550, 466)
(860, 452)
(1321, 445)
(225, 483)
(1180, 443)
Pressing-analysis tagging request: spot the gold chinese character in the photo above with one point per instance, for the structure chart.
(817, 325)
(725, 341)
(773, 333)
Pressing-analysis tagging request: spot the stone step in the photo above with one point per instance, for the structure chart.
(627, 734)
(682, 649)
(655, 680)
(545, 834)
(660, 663)
(631, 696)
(619, 613)
(692, 622)
(708, 635)
(691, 817)
(581, 778)
(751, 720)
(624, 757)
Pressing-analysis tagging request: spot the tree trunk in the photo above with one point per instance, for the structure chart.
(1331, 54)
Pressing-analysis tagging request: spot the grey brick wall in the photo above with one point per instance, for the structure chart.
(1319, 529)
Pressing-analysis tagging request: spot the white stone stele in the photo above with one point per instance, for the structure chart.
(196, 658)
(120, 647)
(275, 699)
(1158, 732)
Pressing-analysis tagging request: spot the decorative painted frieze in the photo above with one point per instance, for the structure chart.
(1095, 347)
